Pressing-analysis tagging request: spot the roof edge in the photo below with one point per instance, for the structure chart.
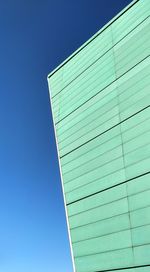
(92, 38)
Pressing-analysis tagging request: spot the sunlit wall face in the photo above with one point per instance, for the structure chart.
(100, 100)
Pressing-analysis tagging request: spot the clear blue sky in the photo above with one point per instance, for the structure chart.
(36, 36)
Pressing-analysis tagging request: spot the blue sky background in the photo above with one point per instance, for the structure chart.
(35, 37)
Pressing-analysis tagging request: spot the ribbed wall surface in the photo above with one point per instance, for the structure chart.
(101, 108)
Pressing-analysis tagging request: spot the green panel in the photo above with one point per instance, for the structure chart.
(138, 168)
(98, 199)
(132, 49)
(133, 149)
(127, 270)
(141, 235)
(135, 134)
(97, 153)
(137, 269)
(127, 86)
(81, 80)
(87, 56)
(96, 174)
(140, 200)
(93, 147)
(139, 154)
(139, 184)
(101, 184)
(101, 228)
(142, 103)
(130, 20)
(138, 142)
(103, 244)
(140, 217)
(101, 107)
(141, 269)
(134, 81)
(142, 254)
(129, 106)
(135, 96)
(95, 127)
(98, 106)
(99, 161)
(112, 259)
(99, 213)
(136, 121)
(93, 80)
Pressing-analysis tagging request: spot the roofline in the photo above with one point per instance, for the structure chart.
(93, 37)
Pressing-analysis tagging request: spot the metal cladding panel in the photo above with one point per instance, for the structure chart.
(100, 100)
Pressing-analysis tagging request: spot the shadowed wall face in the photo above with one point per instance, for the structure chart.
(100, 100)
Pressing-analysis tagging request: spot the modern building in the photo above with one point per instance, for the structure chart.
(100, 98)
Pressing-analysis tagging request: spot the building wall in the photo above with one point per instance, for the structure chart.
(101, 107)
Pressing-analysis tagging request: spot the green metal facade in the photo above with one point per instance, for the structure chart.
(100, 99)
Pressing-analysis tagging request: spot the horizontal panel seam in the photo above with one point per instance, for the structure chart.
(105, 131)
(123, 268)
(116, 107)
(105, 73)
(121, 155)
(103, 88)
(98, 253)
(113, 98)
(127, 212)
(117, 135)
(107, 203)
(114, 232)
(108, 188)
(106, 151)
